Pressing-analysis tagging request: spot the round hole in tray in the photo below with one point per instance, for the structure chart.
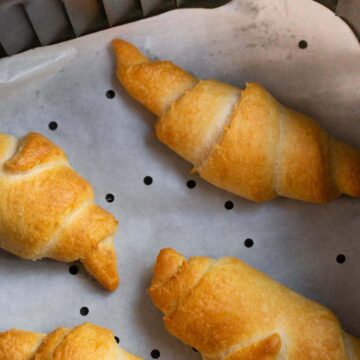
(341, 258)
(110, 94)
(195, 350)
(84, 311)
(117, 339)
(155, 354)
(53, 125)
(303, 44)
(110, 198)
(229, 205)
(73, 269)
(148, 180)
(191, 184)
(249, 243)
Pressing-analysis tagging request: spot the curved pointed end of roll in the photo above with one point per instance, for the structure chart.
(101, 263)
(168, 264)
(347, 169)
(19, 344)
(33, 150)
(127, 54)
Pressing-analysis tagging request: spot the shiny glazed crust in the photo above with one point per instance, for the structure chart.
(48, 210)
(84, 342)
(230, 311)
(241, 141)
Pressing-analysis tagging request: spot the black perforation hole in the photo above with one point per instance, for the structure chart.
(109, 198)
(195, 350)
(73, 269)
(303, 44)
(155, 354)
(53, 125)
(249, 243)
(191, 184)
(110, 94)
(229, 205)
(341, 258)
(84, 311)
(148, 180)
(117, 339)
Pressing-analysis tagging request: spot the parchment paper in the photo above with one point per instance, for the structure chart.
(111, 142)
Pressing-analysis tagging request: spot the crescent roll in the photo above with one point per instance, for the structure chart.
(228, 310)
(84, 342)
(47, 210)
(243, 141)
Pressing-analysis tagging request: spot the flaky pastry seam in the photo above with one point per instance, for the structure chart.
(185, 297)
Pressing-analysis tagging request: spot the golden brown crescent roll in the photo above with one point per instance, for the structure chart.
(231, 311)
(84, 342)
(47, 210)
(241, 141)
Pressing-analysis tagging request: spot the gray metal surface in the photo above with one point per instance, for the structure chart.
(86, 16)
(331, 4)
(16, 31)
(200, 3)
(27, 24)
(49, 20)
(119, 12)
(349, 10)
(152, 7)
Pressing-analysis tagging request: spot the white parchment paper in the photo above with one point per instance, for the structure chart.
(111, 142)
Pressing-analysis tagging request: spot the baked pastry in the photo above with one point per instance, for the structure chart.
(241, 141)
(47, 210)
(84, 342)
(228, 310)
